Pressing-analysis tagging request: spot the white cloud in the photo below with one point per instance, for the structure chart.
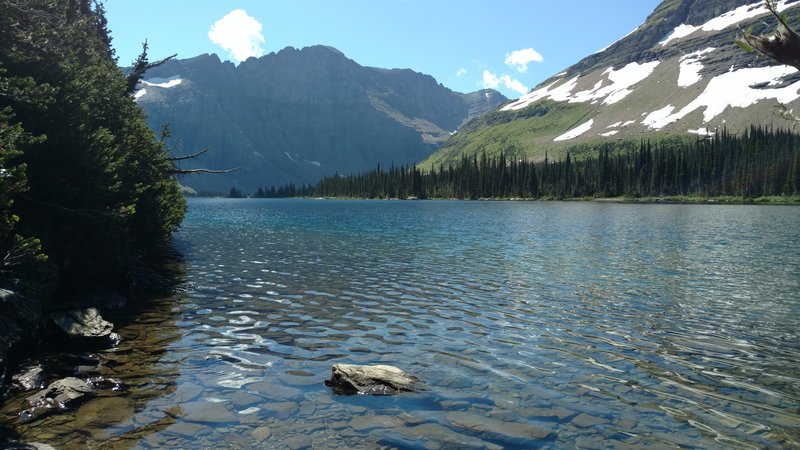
(493, 81)
(519, 59)
(461, 72)
(490, 80)
(239, 34)
(514, 85)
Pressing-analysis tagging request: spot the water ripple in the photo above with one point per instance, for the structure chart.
(624, 324)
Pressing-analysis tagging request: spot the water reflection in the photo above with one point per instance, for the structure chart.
(557, 324)
(136, 376)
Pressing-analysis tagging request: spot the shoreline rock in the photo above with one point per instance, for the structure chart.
(27, 329)
(86, 325)
(20, 322)
(349, 379)
(59, 395)
(30, 379)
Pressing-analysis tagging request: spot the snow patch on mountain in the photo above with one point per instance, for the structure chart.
(561, 93)
(681, 31)
(621, 82)
(701, 131)
(691, 66)
(575, 132)
(624, 79)
(726, 20)
(164, 83)
(717, 95)
(743, 13)
(658, 119)
(139, 94)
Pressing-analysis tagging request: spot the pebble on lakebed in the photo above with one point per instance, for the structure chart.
(349, 379)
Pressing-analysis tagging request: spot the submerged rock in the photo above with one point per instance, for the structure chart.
(379, 379)
(86, 324)
(60, 394)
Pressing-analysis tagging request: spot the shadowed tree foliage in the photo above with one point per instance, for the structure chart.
(99, 194)
(781, 45)
(140, 67)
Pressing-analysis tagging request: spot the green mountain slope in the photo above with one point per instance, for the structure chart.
(678, 76)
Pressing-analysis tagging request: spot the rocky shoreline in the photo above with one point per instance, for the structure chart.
(75, 329)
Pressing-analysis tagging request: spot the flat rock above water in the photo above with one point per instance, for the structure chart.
(86, 324)
(373, 380)
(30, 378)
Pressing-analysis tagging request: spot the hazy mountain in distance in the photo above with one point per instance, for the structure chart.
(297, 115)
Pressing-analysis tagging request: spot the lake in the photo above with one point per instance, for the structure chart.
(555, 324)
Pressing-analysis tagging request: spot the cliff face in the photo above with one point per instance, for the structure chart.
(298, 115)
(679, 73)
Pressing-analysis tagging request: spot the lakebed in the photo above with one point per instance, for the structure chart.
(531, 324)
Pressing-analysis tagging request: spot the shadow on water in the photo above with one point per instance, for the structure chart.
(127, 378)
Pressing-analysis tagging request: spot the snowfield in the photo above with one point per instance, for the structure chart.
(163, 83)
(621, 84)
(691, 67)
(575, 132)
(726, 20)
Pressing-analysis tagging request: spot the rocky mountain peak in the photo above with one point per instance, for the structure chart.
(297, 115)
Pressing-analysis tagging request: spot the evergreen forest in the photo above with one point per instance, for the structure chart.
(757, 163)
(87, 192)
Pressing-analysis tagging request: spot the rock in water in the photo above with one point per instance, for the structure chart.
(31, 378)
(86, 324)
(59, 394)
(351, 379)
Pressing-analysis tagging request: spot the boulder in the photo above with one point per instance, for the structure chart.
(86, 324)
(29, 379)
(60, 394)
(379, 379)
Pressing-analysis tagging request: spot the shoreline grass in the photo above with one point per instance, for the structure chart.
(678, 199)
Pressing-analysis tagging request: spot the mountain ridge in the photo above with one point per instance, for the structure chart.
(297, 115)
(674, 76)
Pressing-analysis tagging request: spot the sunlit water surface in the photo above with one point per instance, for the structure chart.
(531, 324)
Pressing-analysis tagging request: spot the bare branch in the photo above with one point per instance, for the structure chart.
(193, 155)
(177, 171)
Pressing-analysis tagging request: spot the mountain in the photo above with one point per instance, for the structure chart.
(679, 74)
(298, 115)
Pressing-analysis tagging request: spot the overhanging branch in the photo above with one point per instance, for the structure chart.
(782, 45)
(177, 171)
(193, 155)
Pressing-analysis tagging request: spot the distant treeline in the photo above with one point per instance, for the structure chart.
(758, 162)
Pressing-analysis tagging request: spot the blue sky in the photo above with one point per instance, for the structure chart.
(467, 45)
